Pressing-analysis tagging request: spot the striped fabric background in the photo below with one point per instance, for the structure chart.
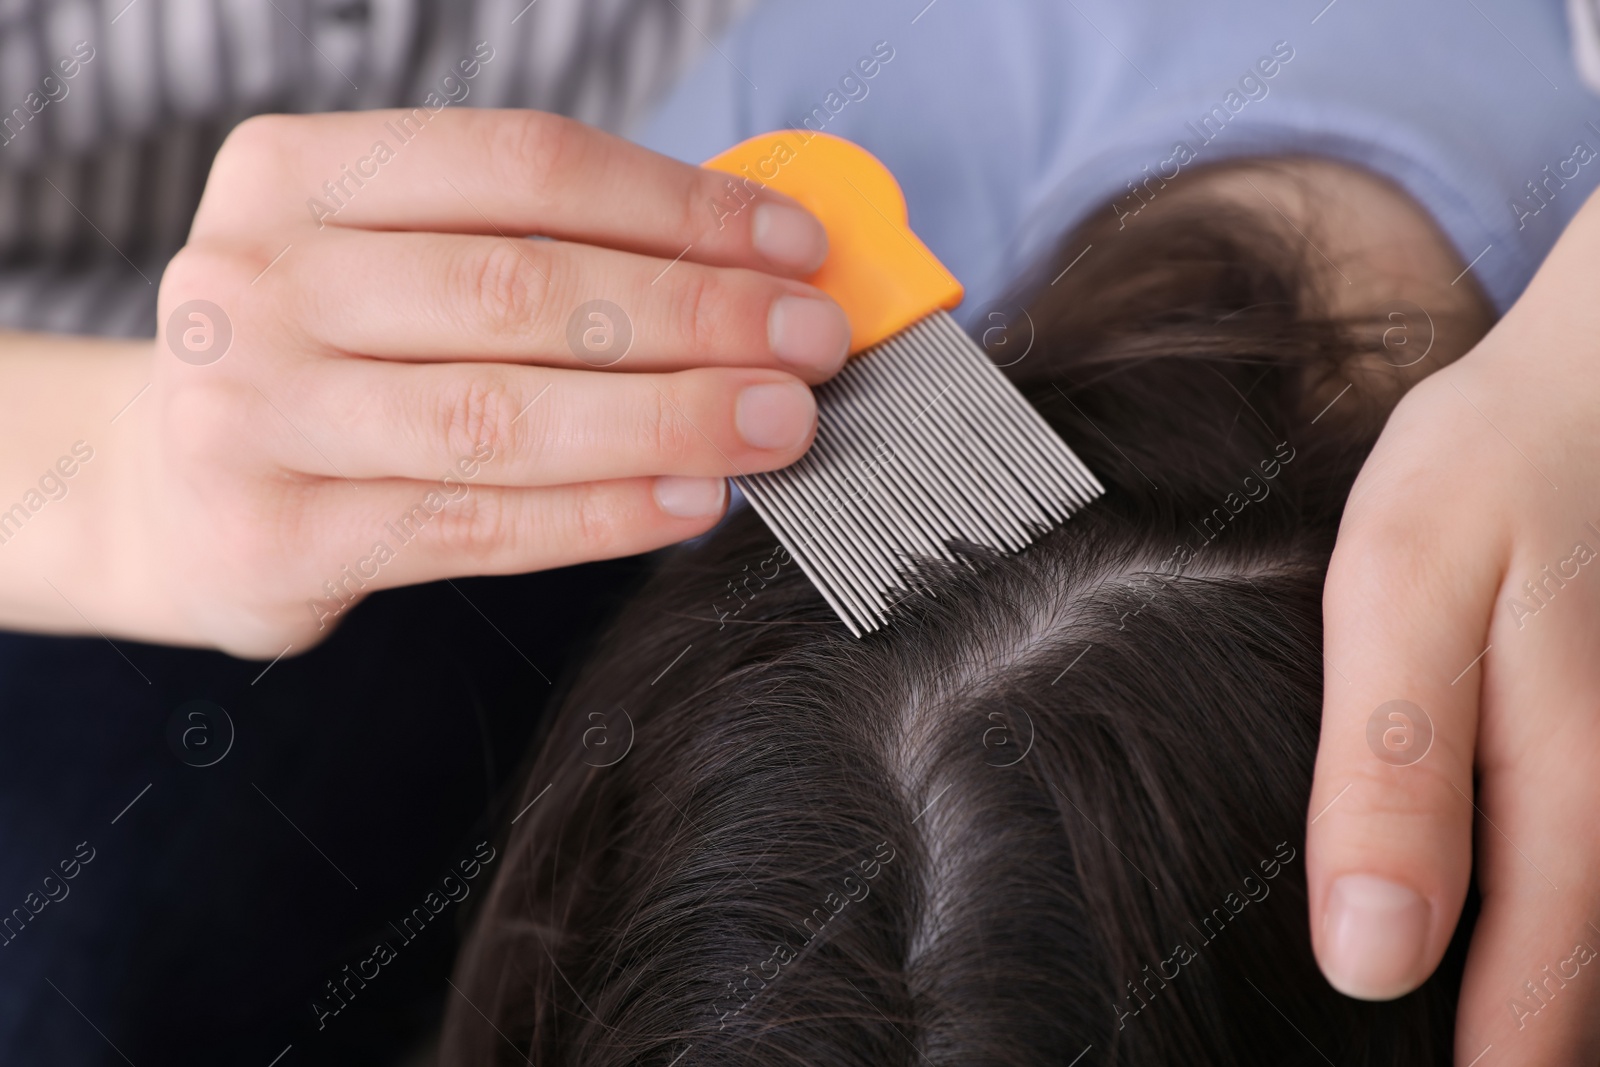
(100, 173)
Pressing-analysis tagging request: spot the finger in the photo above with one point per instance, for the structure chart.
(420, 531)
(446, 296)
(469, 170)
(1531, 992)
(533, 426)
(1389, 836)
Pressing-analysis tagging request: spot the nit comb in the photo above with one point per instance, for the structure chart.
(921, 440)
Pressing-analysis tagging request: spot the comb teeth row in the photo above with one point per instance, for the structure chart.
(921, 440)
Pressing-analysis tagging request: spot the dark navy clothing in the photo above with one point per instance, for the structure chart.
(213, 910)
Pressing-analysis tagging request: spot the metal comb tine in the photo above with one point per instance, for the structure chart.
(968, 447)
(797, 491)
(888, 531)
(956, 453)
(901, 526)
(956, 363)
(901, 535)
(1048, 501)
(907, 378)
(858, 534)
(810, 551)
(804, 493)
(891, 386)
(930, 519)
(1010, 408)
(765, 505)
(896, 490)
(959, 519)
(848, 536)
(933, 477)
(1021, 422)
(1081, 483)
(1060, 462)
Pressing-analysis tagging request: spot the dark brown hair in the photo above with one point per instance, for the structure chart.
(1055, 811)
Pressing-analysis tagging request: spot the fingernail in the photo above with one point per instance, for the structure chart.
(808, 333)
(789, 236)
(778, 415)
(1374, 933)
(691, 498)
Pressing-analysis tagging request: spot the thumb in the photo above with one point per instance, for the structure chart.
(1389, 836)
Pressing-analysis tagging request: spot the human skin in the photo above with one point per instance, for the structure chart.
(405, 337)
(1485, 475)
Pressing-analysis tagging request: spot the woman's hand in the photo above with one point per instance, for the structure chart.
(1463, 685)
(368, 378)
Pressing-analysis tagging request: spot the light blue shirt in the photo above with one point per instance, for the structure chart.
(1007, 121)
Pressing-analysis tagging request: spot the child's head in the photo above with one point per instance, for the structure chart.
(1055, 810)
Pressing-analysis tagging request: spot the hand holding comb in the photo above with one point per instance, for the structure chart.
(921, 440)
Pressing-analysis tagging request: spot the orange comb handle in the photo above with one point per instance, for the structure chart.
(877, 269)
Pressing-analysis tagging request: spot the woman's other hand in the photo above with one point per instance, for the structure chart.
(1462, 699)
